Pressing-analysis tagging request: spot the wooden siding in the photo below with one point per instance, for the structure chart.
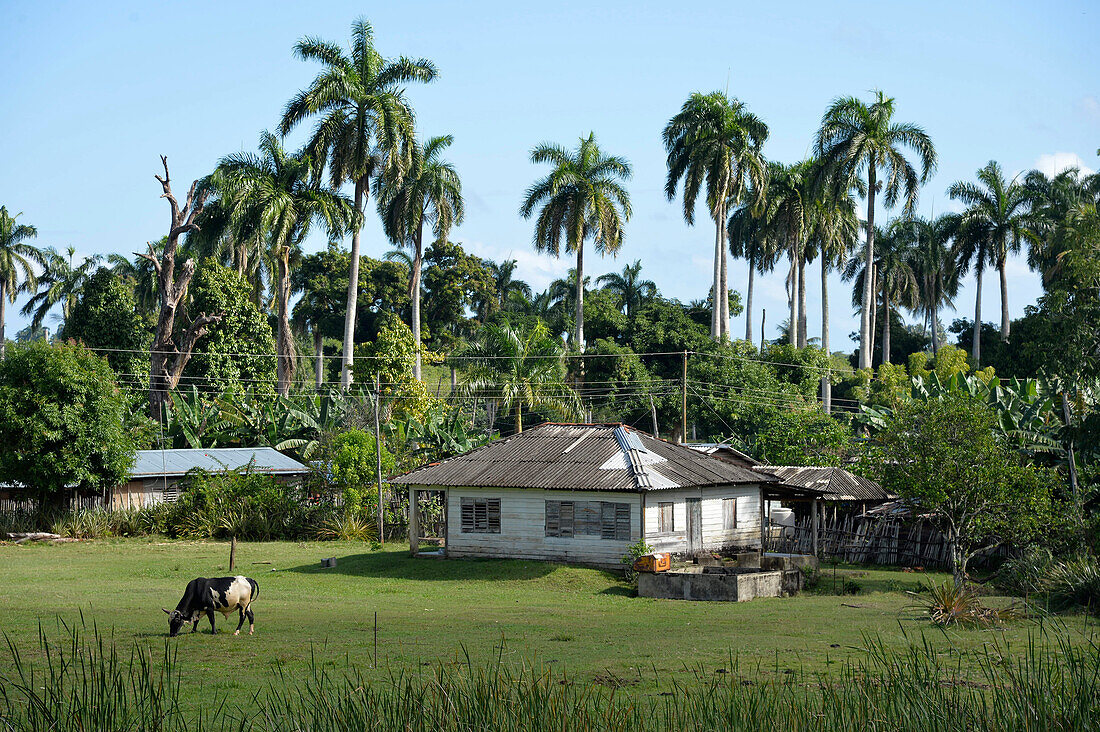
(523, 527)
(715, 536)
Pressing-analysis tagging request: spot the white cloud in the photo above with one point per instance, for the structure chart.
(1053, 163)
(1090, 106)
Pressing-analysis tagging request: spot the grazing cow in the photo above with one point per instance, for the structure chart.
(203, 596)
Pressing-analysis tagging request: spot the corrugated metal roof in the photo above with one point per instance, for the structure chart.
(725, 452)
(581, 457)
(837, 483)
(151, 463)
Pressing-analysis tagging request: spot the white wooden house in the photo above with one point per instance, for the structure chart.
(584, 494)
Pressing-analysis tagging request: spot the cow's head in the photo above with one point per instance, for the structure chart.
(176, 620)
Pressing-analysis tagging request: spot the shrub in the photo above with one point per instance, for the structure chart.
(635, 550)
(1024, 575)
(959, 603)
(1074, 583)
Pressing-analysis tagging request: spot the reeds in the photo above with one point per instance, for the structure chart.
(90, 682)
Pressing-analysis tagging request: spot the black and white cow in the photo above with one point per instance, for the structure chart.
(203, 596)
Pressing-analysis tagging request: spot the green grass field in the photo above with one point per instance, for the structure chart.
(433, 611)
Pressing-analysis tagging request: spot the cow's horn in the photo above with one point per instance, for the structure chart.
(166, 610)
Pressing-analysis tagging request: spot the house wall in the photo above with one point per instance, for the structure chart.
(523, 527)
(715, 536)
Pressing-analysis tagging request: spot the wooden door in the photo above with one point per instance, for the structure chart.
(694, 525)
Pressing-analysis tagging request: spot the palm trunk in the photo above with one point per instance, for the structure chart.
(285, 358)
(579, 336)
(319, 357)
(748, 303)
(865, 331)
(353, 289)
(1005, 322)
(885, 328)
(874, 307)
(3, 308)
(792, 303)
(715, 299)
(724, 325)
(935, 317)
(803, 339)
(826, 386)
(414, 292)
(519, 416)
(976, 347)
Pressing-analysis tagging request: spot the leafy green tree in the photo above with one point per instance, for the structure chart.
(857, 139)
(517, 369)
(352, 466)
(997, 211)
(454, 282)
(61, 282)
(799, 437)
(430, 191)
(629, 286)
(273, 195)
(714, 141)
(322, 278)
(511, 293)
(237, 349)
(62, 421)
(365, 129)
(1051, 200)
(581, 198)
(106, 319)
(17, 260)
(945, 457)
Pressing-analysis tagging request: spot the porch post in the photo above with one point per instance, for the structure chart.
(414, 523)
(816, 521)
(763, 522)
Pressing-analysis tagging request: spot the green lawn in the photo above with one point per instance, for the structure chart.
(437, 611)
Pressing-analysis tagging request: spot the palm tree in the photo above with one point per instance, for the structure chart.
(974, 248)
(508, 288)
(858, 139)
(430, 190)
(60, 282)
(518, 369)
(785, 209)
(894, 282)
(17, 260)
(366, 128)
(934, 265)
(715, 141)
(273, 193)
(1001, 209)
(1051, 199)
(631, 289)
(582, 198)
(748, 240)
(140, 275)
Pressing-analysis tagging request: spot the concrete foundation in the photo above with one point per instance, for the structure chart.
(719, 584)
(788, 561)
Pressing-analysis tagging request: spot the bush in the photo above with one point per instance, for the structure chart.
(1074, 583)
(1024, 575)
(959, 603)
(635, 550)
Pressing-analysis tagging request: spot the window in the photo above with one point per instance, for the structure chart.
(480, 515)
(729, 513)
(607, 520)
(664, 518)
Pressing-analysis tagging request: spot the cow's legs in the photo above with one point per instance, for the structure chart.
(251, 620)
(194, 625)
(240, 611)
(210, 614)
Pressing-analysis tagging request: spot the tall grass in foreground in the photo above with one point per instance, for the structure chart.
(87, 683)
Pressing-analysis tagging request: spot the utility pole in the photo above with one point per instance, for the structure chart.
(684, 401)
(378, 450)
(763, 322)
(653, 413)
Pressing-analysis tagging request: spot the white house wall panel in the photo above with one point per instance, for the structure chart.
(715, 535)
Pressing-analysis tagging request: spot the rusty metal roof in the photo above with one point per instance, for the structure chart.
(607, 457)
(836, 483)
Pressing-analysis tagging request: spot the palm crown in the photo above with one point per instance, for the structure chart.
(17, 259)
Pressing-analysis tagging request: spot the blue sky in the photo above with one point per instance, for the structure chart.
(94, 92)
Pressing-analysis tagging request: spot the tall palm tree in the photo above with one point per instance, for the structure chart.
(428, 191)
(1051, 199)
(61, 281)
(17, 260)
(629, 286)
(973, 247)
(894, 282)
(274, 192)
(858, 139)
(507, 287)
(714, 141)
(934, 265)
(366, 128)
(1000, 208)
(581, 198)
(748, 240)
(518, 369)
(785, 209)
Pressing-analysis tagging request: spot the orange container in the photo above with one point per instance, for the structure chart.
(658, 562)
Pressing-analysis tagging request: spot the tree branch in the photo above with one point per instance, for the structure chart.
(196, 331)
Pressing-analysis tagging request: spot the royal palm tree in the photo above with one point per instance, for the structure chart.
(581, 198)
(934, 265)
(973, 248)
(894, 282)
(785, 208)
(17, 260)
(748, 240)
(1000, 208)
(1051, 199)
(858, 139)
(518, 369)
(365, 129)
(61, 281)
(274, 192)
(509, 290)
(629, 286)
(428, 191)
(715, 142)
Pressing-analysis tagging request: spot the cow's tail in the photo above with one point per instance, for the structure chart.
(255, 589)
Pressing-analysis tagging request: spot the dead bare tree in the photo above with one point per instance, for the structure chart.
(168, 359)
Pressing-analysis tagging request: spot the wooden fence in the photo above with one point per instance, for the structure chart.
(865, 541)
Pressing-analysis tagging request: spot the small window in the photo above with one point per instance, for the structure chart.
(664, 518)
(480, 515)
(560, 518)
(729, 513)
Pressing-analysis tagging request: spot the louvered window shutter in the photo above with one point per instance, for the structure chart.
(467, 515)
(492, 524)
(553, 513)
(622, 521)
